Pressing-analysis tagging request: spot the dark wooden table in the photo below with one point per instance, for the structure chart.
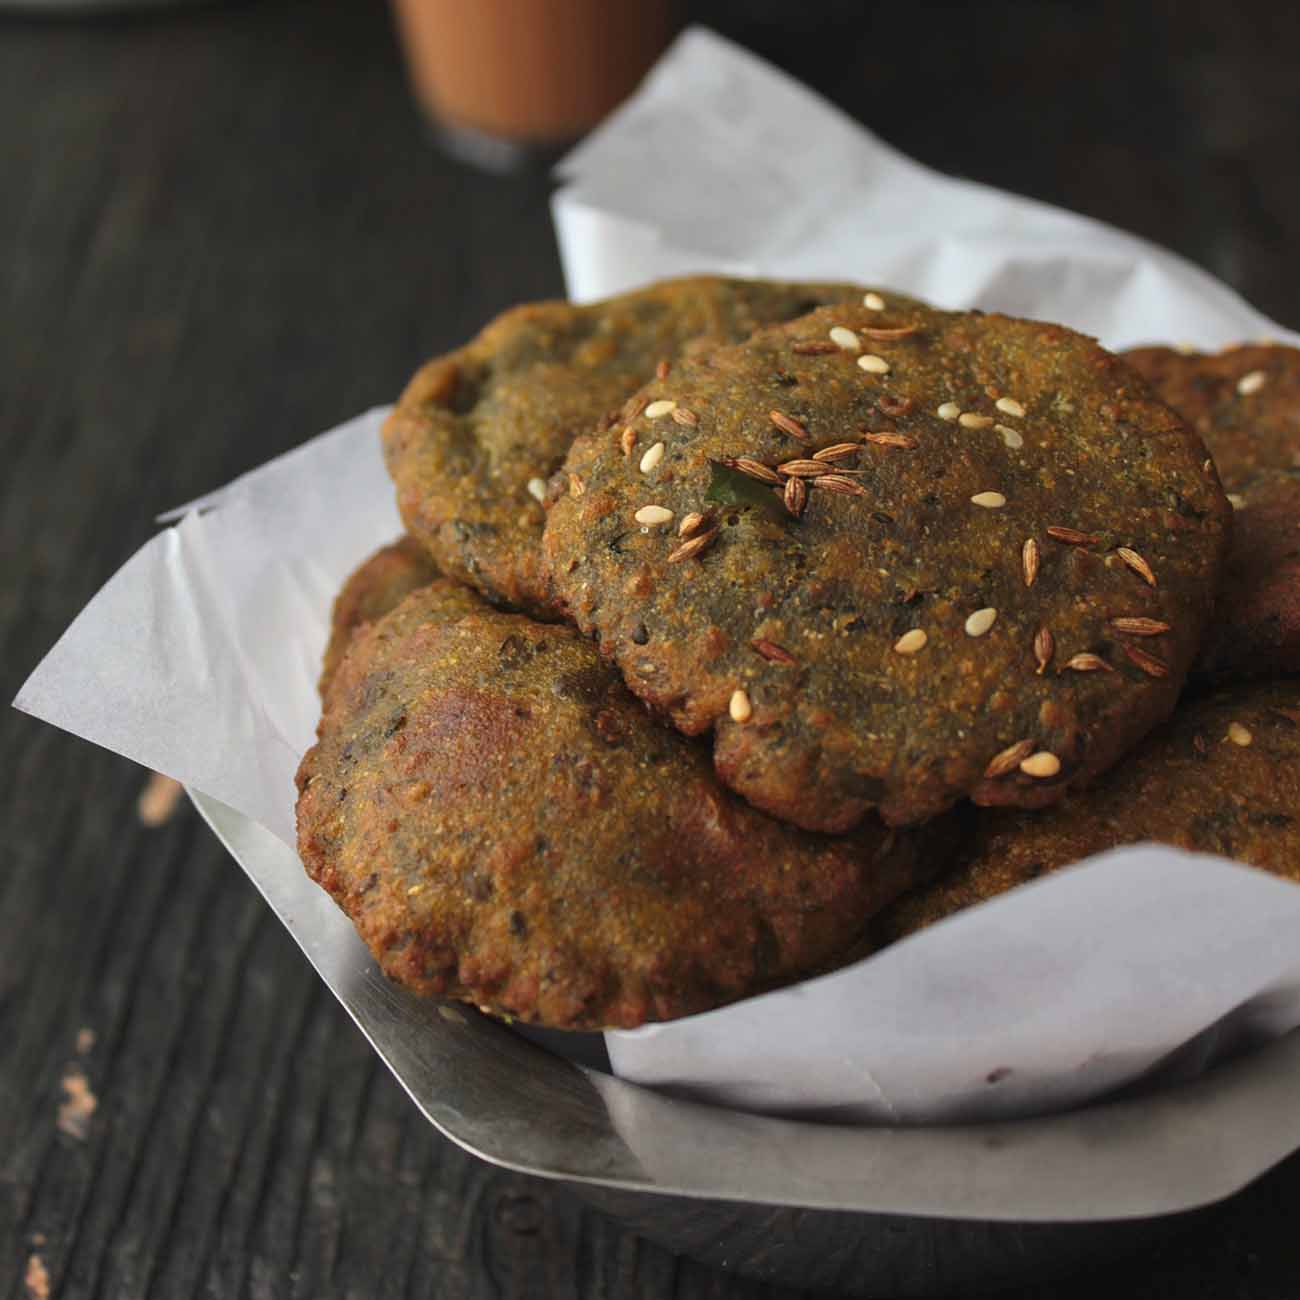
(222, 231)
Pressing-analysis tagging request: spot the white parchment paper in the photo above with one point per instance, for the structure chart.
(199, 658)
(721, 162)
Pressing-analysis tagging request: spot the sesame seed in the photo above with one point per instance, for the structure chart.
(754, 469)
(739, 707)
(664, 406)
(910, 642)
(1236, 500)
(948, 411)
(688, 418)
(795, 496)
(969, 420)
(1186, 348)
(653, 515)
(1009, 406)
(1011, 437)
(689, 523)
(788, 424)
(1140, 626)
(1029, 560)
(845, 338)
(627, 440)
(837, 451)
(537, 489)
(576, 485)
(873, 364)
(1251, 383)
(691, 548)
(1044, 648)
(890, 439)
(652, 457)
(803, 468)
(873, 302)
(1008, 759)
(1239, 735)
(1041, 764)
(1088, 663)
(414, 889)
(980, 621)
(838, 483)
(1137, 564)
(989, 500)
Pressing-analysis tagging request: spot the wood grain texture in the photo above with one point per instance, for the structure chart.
(223, 232)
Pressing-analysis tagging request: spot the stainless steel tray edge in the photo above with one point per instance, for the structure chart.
(513, 1104)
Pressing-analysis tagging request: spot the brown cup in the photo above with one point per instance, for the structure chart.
(505, 79)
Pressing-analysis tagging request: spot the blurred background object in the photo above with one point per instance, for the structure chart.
(505, 82)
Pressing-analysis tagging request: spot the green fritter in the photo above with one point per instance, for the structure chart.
(377, 586)
(1222, 776)
(505, 824)
(478, 432)
(897, 557)
(1243, 401)
(1255, 631)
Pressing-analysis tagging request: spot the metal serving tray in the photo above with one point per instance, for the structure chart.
(902, 1210)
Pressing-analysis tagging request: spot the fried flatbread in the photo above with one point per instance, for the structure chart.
(1222, 776)
(378, 585)
(478, 432)
(896, 557)
(505, 823)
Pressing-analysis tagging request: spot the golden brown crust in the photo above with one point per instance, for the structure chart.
(1222, 776)
(476, 427)
(1255, 631)
(1076, 502)
(378, 585)
(1254, 437)
(1243, 401)
(505, 824)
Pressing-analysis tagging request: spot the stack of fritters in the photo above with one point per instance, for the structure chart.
(505, 823)
(851, 565)
(985, 498)
(478, 432)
